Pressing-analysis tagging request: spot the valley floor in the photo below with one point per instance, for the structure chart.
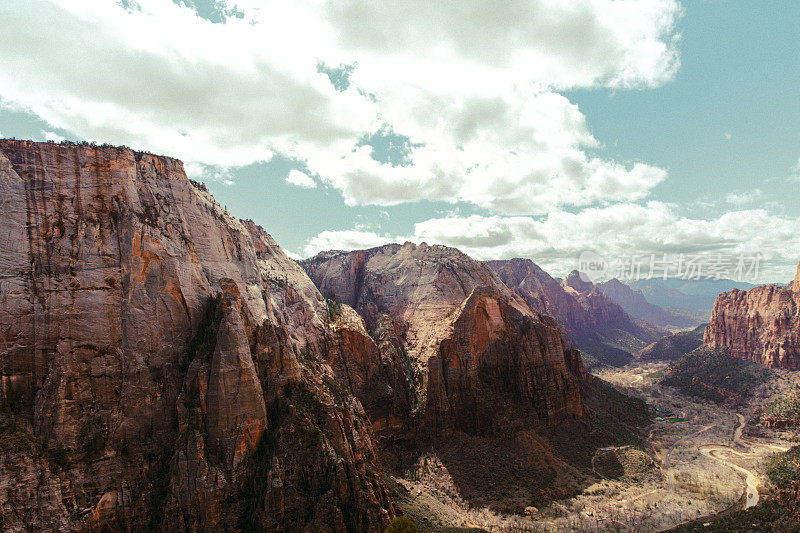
(707, 459)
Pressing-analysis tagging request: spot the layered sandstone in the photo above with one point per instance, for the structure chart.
(163, 364)
(476, 348)
(761, 324)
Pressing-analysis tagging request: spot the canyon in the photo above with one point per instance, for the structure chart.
(165, 365)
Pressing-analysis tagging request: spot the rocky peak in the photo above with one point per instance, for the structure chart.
(424, 290)
(796, 283)
(576, 282)
(761, 324)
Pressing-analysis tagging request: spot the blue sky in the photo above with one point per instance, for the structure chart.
(530, 128)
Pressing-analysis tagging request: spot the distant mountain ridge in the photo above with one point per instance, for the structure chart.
(634, 302)
(691, 295)
(600, 328)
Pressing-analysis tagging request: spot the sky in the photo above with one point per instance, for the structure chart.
(542, 129)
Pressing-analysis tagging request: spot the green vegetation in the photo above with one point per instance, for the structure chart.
(401, 524)
(769, 516)
(787, 407)
(597, 354)
(716, 376)
(784, 467)
(334, 310)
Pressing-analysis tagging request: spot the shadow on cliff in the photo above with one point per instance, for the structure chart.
(527, 464)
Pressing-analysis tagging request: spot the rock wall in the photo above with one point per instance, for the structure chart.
(164, 365)
(478, 351)
(761, 324)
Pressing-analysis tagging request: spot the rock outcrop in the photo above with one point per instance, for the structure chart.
(468, 338)
(761, 324)
(593, 322)
(489, 380)
(163, 364)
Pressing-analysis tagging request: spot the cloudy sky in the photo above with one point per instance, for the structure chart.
(533, 128)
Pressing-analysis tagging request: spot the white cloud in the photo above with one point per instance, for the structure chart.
(300, 179)
(472, 84)
(345, 240)
(52, 136)
(728, 136)
(556, 241)
(743, 197)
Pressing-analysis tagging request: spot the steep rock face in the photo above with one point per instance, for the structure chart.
(496, 361)
(634, 303)
(796, 283)
(761, 324)
(593, 322)
(467, 335)
(545, 294)
(592, 299)
(149, 401)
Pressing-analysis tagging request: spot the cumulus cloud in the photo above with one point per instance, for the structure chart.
(300, 179)
(345, 240)
(557, 240)
(472, 86)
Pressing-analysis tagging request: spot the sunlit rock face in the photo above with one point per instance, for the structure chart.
(163, 364)
(478, 354)
(761, 324)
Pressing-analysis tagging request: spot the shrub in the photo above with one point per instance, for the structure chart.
(334, 310)
(784, 467)
(401, 524)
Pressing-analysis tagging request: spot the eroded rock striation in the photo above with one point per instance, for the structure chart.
(165, 365)
(761, 324)
(488, 380)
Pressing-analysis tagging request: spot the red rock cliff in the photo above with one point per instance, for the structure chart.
(163, 365)
(762, 325)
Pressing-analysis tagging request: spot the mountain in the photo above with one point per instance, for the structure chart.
(635, 304)
(674, 346)
(761, 324)
(165, 365)
(455, 319)
(696, 295)
(597, 326)
(494, 383)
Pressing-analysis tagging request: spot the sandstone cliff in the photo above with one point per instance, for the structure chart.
(164, 365)
(495, 390)
(761, 324)
(466, 335)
